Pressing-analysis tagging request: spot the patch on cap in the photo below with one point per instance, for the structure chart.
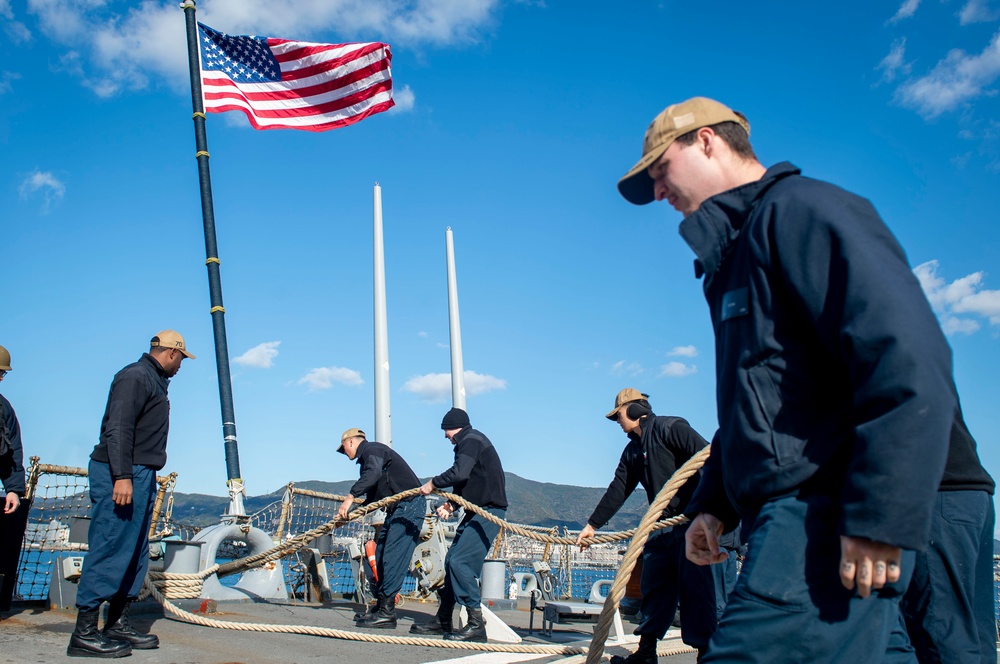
(682, 121)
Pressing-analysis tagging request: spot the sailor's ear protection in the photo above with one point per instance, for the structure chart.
(636, 410)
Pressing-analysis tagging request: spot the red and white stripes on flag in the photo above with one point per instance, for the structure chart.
(285, 84)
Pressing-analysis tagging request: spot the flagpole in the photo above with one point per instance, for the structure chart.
(457, 370)
(383, 420)
(218, 312)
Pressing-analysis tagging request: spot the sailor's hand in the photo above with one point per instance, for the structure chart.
(122, 492)
(867, 565)
(427, 488)
(345, 507)
(445, 510)
(586, 533)
(12, 502)
(702, 540)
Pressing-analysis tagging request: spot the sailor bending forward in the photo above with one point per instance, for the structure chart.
(385, 473)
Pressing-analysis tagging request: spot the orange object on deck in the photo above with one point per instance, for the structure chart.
(370, 552)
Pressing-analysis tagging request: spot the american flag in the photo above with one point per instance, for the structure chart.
(285, 84)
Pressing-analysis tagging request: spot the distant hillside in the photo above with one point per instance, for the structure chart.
(532, 503)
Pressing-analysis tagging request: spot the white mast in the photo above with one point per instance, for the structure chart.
(457, 371)
(383, 422)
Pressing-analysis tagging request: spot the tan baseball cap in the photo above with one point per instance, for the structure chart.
(172, 340)
(628, 395)
(4, 359)
(350, 433)
(674, 121)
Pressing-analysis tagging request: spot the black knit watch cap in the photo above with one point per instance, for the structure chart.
(456, 418)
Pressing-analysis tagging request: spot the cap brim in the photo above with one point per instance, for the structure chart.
(613, 415)
(341, 449)
(186, 354)
(636, 186)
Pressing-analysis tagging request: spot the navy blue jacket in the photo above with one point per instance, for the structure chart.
(833, 375)
(651, 459)
(136, 419)
(12, 463)
(477, 474)
(383, 472)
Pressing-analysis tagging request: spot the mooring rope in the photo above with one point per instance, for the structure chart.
(300, 541)
(164, 586)
(357, 636)
(634, 550)
(663, 650)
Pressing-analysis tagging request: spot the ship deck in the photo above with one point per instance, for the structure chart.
(33, 633)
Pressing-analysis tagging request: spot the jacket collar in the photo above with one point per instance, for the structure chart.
(714, 226)
(361, 448)
(462, 434)
(645, 423)
(146, 357)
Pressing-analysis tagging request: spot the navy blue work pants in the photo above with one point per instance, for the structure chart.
(948, 607)
(118, 541)
(668, 576)
(12, 527)
(789, 605)
(463, 564)
(397, 538)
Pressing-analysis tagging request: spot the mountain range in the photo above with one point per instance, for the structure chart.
(531, 503)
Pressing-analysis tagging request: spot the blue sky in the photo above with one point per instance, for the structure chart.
(513, 123)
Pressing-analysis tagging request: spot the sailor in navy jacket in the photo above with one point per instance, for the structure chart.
(658, 445)
(834, 393)
(833, 375)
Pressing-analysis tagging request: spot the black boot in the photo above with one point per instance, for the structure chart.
(474, 630)
(384, 618)
(361, 619)
(646, 654)
(119, 627)
(87, 641)
(439, 624)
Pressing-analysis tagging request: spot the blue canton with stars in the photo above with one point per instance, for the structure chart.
(243, 59)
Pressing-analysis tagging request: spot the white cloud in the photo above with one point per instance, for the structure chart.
(954, 80)
(5, 79)
(621, 368)
(422, 334)
(958, 303)
(437, 387)
(677, 369)
(404, 98)
(260, 356)
(906, 10)
(125, 50)
(16, 30)
(45, 184)
(976, 11)
(893, 63)
(323, 378)
(683, 351)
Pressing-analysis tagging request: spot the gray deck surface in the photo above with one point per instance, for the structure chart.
(30, 633)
